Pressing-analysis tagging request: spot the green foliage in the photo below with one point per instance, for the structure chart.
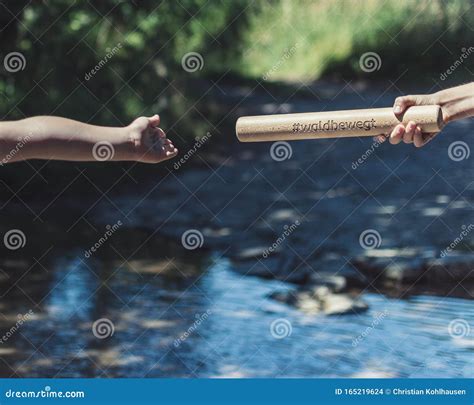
(412, 36)
(135, 48)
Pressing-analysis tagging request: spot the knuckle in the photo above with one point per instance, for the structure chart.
(400, 100)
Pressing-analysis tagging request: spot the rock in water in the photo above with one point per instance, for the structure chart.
(320, 300)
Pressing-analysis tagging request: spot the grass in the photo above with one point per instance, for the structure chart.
(305, 40)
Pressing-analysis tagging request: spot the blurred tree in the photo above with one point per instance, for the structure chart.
(136, 50)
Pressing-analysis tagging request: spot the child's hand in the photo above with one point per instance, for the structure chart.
(411, 133)
(149, 142)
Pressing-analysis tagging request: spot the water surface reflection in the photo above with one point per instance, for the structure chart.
(150, 312)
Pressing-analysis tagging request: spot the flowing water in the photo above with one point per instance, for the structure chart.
(232, 330)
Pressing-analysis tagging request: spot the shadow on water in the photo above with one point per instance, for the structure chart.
(52, 295)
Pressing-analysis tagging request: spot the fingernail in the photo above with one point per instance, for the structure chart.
(397, 109)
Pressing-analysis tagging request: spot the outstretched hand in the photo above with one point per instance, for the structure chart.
(149, 141)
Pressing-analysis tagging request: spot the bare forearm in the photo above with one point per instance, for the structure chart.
(45, 137)
(456, 102)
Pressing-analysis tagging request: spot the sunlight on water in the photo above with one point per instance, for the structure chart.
(226, 320)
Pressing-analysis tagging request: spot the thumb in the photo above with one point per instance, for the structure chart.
(154, 120)
(402, 103)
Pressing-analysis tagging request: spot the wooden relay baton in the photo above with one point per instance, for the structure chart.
(334, 124)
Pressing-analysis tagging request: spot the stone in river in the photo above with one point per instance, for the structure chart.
(404, 271)
(320, 300)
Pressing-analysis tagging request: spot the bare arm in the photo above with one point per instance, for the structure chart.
(56, 138)
(457, 102)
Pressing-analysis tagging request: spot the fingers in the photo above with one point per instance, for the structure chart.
(163, 145)
(421, 139)
(154, 147)
(170, 150)
(409, 132)
(397, 134)
(161, 134)
(418, 138)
